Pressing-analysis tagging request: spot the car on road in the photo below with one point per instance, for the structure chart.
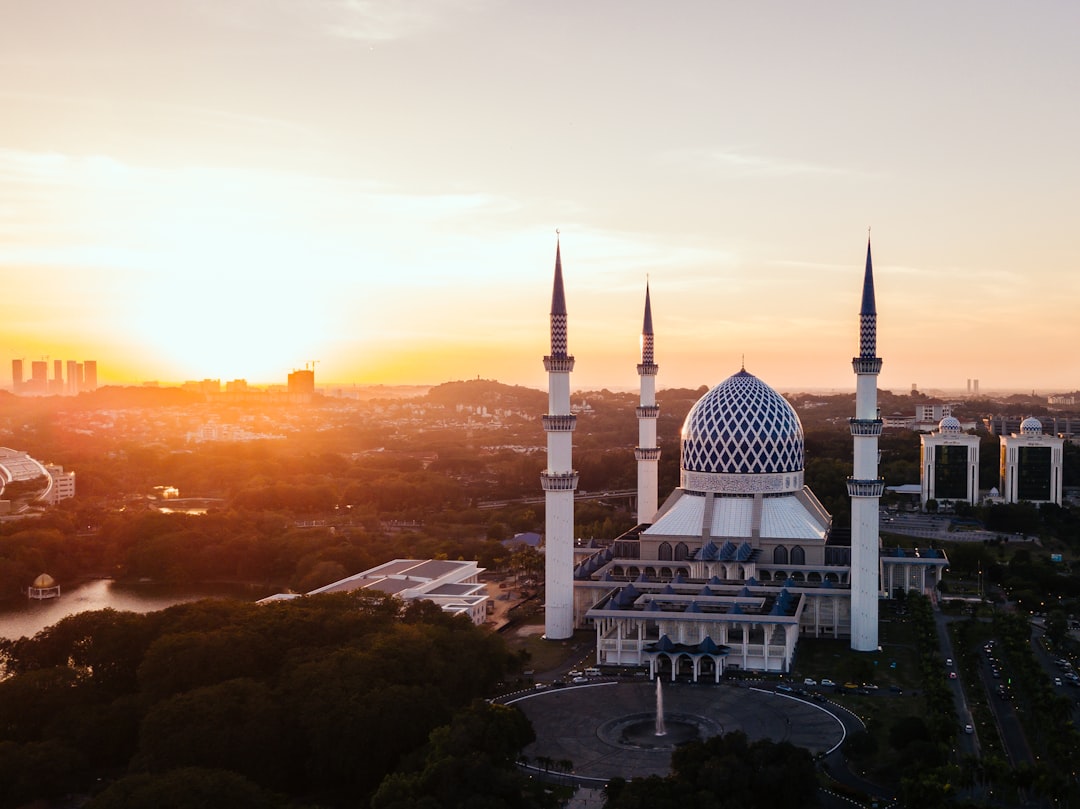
(580, 679)
(1057, 681)
(827, 682)
(785, 688)
(968, 729)
(952, 675)
(809, 681)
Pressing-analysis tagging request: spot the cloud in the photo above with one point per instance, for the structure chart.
(380, 21)
(732, 161)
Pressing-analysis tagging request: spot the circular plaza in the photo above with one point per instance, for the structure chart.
(604, 728)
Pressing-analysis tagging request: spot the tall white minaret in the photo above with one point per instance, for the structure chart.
(559, 480)
(647, 453)
(864, 486)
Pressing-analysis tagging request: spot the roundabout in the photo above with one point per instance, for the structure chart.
(609, 729)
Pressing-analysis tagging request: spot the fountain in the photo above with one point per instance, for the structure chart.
(660, 729)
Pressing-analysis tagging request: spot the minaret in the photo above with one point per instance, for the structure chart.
(864, 486)
(647, 453)
(559, 480)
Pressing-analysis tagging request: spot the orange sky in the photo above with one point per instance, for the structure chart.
(235, 189)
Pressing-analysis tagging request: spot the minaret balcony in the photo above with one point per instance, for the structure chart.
(865, 488)
(647, 453)
(559, 424)
(865, 426)
(648, 369)
(558, 481)
(866, 365)
(648, 411)
(554, 364)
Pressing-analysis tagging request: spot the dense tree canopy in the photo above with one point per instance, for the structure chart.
(724, 772)
(319, 697)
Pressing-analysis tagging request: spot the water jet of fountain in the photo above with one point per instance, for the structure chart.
(660, 729)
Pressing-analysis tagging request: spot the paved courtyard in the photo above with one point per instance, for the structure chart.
(581, 724)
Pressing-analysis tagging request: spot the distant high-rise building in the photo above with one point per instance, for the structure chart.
(302, 383)
(72, 378)
(16, 376)
(39, 377)
(975, 386)
(89, 375)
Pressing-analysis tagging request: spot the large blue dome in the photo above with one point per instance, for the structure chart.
(742, 437)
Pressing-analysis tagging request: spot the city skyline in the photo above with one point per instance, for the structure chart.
(235, 190)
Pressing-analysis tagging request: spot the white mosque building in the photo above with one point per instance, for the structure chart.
(741, 560)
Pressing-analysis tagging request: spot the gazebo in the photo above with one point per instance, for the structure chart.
(44, 587)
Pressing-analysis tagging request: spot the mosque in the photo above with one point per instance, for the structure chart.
(741, 560)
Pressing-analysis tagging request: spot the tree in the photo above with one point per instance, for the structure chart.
(187, 788)
(470, 762)
(726, 771)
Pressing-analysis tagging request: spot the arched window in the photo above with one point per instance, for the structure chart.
(779, 555)
(681, 552)
(798, 555)
(663, 552)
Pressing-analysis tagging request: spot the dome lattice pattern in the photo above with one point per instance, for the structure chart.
(1031, 426)
(950, 424)
(742, 426)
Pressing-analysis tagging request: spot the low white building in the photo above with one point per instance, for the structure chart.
(454, 586)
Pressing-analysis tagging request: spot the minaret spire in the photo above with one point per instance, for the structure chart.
(868, 311)
(865, 487)
(647, 453)
(558, 308)
(559, 480)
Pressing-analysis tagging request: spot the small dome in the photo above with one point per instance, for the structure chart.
(949, 424)
(742, 436)
(43, 581)
(1031, 426)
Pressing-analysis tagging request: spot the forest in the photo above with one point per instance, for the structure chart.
(321, 701)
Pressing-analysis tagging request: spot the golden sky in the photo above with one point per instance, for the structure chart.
(234, 188)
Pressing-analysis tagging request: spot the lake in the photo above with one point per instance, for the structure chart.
(27, 617)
